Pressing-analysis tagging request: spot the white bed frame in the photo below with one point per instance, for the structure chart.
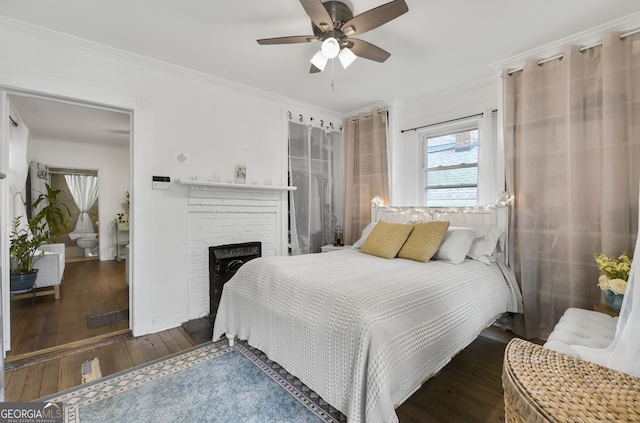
(495, 214)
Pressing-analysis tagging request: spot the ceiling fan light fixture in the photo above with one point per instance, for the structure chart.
(330, 47)
(319, 60)
(346, 57)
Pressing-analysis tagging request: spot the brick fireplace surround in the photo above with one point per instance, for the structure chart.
(229, 214)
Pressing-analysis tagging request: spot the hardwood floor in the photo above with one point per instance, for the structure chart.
(88, 288)
(29, 379)
(467, 390)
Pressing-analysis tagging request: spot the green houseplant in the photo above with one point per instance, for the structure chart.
(24, 243)
(43, 228)
(51, 218)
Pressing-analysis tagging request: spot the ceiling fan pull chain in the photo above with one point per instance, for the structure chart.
(332, 74)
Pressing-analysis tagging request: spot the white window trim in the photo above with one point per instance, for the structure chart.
(440, 130)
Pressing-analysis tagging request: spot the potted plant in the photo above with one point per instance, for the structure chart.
(51, 218)
(613, 279)
(24, 244)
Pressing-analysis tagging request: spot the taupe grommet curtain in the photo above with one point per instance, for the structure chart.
(572, 146)
(366, 169)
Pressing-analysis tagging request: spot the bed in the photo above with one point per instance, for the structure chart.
(364, 332)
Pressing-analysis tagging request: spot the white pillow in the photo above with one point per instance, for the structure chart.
(456, 244)
(484, 248)
(365, 233)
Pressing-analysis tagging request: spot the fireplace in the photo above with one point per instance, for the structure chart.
(224, 262)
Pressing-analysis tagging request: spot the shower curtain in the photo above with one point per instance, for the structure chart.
(84, 190)
(316, 168)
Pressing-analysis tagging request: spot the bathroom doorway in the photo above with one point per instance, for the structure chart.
(71, 138)
(81, 227)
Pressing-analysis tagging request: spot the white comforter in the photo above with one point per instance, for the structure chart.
(361, 331)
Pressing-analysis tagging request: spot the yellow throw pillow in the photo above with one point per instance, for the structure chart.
(424, 241)
(386, 239)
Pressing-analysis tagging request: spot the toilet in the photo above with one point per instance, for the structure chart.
(89, 243)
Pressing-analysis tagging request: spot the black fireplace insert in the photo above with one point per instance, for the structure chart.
(224, 262)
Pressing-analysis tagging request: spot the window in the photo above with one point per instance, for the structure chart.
(450, 167)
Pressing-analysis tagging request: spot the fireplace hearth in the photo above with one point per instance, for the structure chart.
(224, 262)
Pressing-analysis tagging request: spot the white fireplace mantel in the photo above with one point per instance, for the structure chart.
(213, 185)
(226, 213)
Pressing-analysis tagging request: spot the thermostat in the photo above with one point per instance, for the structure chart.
(161, 182)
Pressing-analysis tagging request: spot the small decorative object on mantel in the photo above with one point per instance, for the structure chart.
(613, 280)
(241, 173)
(338, 236)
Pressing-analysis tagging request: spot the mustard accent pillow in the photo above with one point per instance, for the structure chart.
(424, 241)
(386, 239)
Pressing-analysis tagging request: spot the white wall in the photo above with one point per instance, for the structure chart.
(112, 164)
(174, 111)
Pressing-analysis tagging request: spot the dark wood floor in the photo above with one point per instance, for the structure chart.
(467, 390)
(88, 288)
(33, 378)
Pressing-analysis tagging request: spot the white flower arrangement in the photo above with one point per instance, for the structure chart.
(618, 286)
(615, 272)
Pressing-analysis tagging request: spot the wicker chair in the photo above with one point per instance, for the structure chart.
(542, 385)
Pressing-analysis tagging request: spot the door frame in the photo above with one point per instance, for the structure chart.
(5, 92)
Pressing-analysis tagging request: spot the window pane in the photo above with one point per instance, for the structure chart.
(453, 149)
(452, 197)
(466, 176)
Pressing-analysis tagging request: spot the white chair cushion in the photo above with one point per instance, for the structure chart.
(582, 327)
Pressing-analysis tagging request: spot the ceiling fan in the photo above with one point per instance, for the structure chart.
(333, 23)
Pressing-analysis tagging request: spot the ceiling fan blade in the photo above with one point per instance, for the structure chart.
(314, 69)
(374, 18)
(367, 50)
(288, 40)
(318, 14)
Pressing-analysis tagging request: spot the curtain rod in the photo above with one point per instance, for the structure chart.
(366, 115)
(446, 121)
(328, 126)
(582, 49)
(55, 172)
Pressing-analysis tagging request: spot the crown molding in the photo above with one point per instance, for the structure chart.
(59, 37)
(588, 37)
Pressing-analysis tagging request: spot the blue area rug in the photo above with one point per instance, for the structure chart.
(210, 383)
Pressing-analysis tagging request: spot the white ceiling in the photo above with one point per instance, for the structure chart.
(437, 47)
(58, 120)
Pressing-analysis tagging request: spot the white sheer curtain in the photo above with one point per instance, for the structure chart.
(572, 150)
(84, 190)
(316, 168)
(624, 352)
(17, 172)
(490, 168)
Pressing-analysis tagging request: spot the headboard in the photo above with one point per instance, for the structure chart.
(495, 214)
